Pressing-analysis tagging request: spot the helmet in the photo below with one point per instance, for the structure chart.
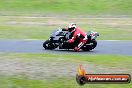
(71, 27)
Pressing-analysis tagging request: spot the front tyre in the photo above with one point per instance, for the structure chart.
(48, 45)
(93, 44)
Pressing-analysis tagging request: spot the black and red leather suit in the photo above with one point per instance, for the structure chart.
(78, 33)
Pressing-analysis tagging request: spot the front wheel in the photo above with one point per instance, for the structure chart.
(93, 44)
(48, 45)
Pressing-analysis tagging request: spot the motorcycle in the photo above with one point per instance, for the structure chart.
(58, 38)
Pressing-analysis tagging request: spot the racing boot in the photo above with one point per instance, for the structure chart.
(76, 49)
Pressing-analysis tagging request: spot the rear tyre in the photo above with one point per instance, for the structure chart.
(48, 45)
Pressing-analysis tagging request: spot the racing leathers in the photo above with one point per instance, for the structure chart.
(78, 33)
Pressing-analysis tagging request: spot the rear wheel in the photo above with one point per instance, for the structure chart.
(48, 45)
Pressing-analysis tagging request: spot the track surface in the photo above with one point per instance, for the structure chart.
(35, 46)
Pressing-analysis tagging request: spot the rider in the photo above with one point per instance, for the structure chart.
(77, 33)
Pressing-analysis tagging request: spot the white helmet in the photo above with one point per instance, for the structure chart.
(72, 27)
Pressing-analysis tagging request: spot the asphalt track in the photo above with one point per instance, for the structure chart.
(114, 47)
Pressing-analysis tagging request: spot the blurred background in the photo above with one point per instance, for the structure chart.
(32, 21)
(40, 17)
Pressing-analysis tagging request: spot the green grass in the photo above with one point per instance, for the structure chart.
(103, 60)
(17, 27)
(66, 7)
(25, 32)
(63, 8)
(23, 81)
(43, 32)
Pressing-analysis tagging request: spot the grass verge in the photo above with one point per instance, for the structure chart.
(18, 27)
(117, 61)
(74, 7)
(23, 81)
